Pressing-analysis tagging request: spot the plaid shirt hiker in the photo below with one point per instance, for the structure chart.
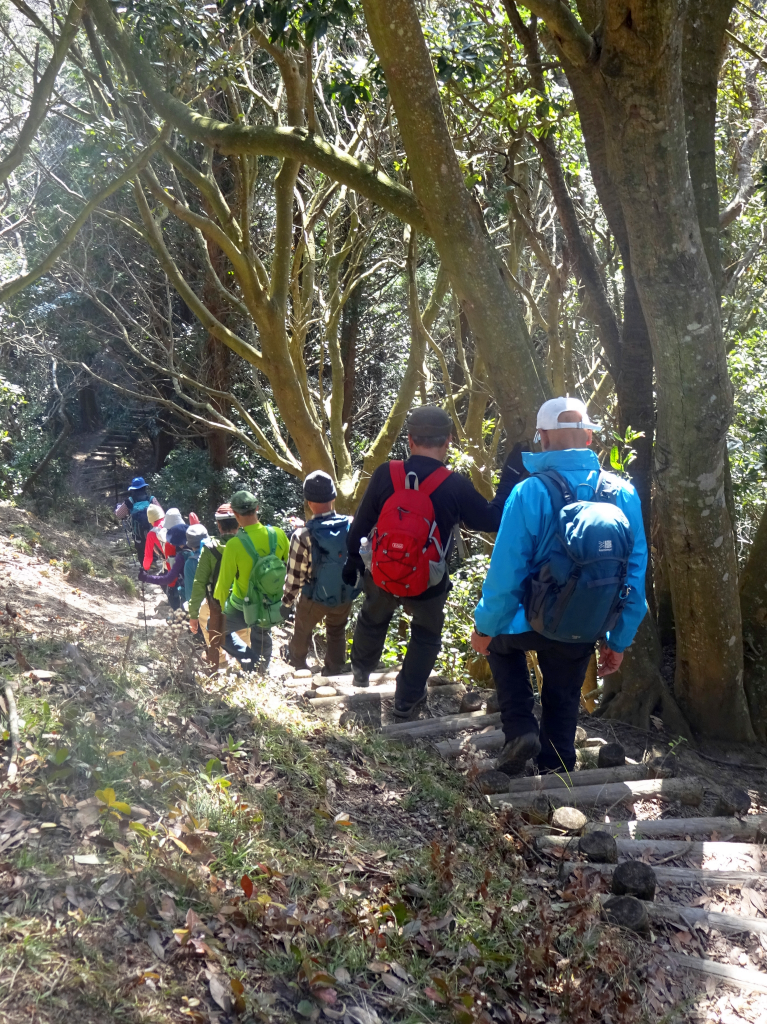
(299, 567)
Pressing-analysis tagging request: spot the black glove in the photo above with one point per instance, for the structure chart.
(142, 575)
(513, 464)
(285, 610)
(350, 571)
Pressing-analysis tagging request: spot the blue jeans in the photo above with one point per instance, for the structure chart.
(260, 650)
(563, 668)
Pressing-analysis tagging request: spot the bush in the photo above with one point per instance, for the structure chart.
(126, 586)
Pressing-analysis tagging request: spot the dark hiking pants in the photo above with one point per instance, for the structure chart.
(563, 668)
(260, 650)
(310, 614)
(425, 637)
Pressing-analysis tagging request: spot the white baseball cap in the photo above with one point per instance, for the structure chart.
(549, 413)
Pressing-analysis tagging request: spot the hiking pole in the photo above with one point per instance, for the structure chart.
(143, 599)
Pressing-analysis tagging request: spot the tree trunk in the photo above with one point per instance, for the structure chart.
(635, 77)
(753, 602)
(644, 111)
(350, 330)
(454, 219)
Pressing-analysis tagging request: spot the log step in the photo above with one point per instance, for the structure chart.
(357, 697)
(388, 675)
(688, 791)
(749, 827)
(435, 726)
(493, 741)
(585, 777)
(740, 977)
(676, 876)
(664, 848)
(690, 916)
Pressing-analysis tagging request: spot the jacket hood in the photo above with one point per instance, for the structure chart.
(569, 459)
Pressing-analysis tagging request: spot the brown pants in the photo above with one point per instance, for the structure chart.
(308, 615)
(216, 620)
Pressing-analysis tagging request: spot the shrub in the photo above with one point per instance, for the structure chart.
(126, 586)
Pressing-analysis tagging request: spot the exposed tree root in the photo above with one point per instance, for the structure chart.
(633, 694)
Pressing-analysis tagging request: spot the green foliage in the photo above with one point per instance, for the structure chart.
(621, 453)
(126, 585)
(291, 22)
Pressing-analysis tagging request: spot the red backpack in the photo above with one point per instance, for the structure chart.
(406, 548)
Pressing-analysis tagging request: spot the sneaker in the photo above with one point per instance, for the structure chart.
(517, 753)
(361, 678)
(407, 708)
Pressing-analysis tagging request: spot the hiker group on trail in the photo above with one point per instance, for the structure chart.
(566, 573)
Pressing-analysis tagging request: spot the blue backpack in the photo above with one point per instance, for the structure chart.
(328, 556)
(578, 594)
(140, 525)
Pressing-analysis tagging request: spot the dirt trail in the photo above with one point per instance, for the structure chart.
(179, 847)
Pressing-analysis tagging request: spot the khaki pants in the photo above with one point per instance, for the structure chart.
(308, 615)
(215, 632)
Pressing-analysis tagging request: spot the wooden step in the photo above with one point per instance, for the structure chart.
(739, 977)
(375, 694)
(749, 827)
(688, 791)
(632, 848)
(493, 741)
(676, 876)
(583, 777)
(435, 726)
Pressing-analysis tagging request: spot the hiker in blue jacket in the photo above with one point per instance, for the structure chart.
(527, 548)
(315, 563)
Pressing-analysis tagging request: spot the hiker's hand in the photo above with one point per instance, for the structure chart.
(513, 462)
(285, 610)
(480, 643)
(142, 574)
(194, 625)
(609, 661)
(349, 573)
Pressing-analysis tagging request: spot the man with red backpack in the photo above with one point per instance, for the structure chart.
(406, 520)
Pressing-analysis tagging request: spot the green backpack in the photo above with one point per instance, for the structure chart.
(261, 605)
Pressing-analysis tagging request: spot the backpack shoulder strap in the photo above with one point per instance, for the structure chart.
(397, 471)
(272, 535)
(433, 480)
(247, 543)
(558, 488)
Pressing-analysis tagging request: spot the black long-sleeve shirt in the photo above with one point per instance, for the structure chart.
(456, 500)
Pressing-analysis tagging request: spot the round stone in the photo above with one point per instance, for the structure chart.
(493, 782)
(634, 878)
(569, 820)
(598, 847)
(325, 691)
(611, 755)
(471, 701)
(732, 802)
(492, 706)
(627, 912)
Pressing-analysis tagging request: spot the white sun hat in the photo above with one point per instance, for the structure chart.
(549, 413)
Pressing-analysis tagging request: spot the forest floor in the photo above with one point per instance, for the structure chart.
(181, 847)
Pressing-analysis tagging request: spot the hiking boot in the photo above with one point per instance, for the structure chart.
(407, 708)
(336, 670)
(361, 677)
(517, 753)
